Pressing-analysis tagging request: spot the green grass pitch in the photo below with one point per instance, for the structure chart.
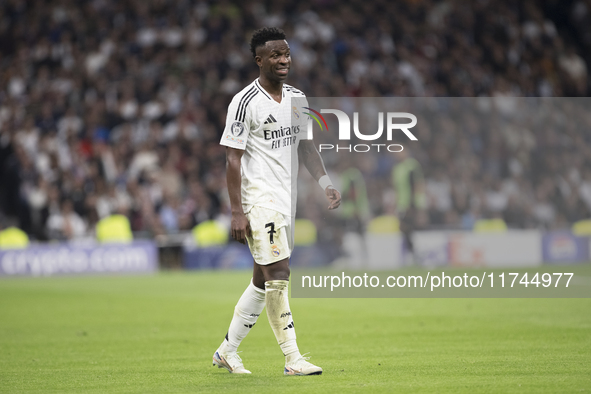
(142, 334)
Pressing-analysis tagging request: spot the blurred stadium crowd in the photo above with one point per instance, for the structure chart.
(117, 106)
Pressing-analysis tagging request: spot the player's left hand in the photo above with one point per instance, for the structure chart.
(333, 196)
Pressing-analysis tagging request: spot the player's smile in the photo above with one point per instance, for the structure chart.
(282, 70)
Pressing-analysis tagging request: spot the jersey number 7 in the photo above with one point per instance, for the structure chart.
(271, 232)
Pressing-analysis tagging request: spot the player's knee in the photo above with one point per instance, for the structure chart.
(277, 271)
(286, 273)
(282, 274)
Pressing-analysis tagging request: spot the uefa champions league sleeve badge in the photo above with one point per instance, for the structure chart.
(237, 129)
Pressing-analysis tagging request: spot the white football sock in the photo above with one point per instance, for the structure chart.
(280, 317)
(246, 313)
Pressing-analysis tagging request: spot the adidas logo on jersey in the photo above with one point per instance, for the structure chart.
(270, 120)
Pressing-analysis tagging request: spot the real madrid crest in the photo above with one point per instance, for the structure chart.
(275, 250)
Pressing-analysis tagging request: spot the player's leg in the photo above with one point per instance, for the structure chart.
(247, 310)
(276, 277)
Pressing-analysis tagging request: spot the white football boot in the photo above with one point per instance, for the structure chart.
(301, 367)
(231, 361)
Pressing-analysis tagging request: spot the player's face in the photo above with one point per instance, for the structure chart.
(274, 59)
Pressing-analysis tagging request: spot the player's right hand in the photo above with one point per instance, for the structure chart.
(240, 227)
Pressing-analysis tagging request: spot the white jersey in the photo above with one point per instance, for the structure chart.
(269, 133)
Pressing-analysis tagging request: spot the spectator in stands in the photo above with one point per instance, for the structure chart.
(65, 224)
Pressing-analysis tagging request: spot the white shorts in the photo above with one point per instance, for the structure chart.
(272, 235)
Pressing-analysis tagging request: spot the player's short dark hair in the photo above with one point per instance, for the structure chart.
(261, 36)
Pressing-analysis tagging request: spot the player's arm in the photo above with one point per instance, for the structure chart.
(240, 225)
(315, 165)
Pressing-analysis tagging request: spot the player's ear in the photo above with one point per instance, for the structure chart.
(259, 60)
